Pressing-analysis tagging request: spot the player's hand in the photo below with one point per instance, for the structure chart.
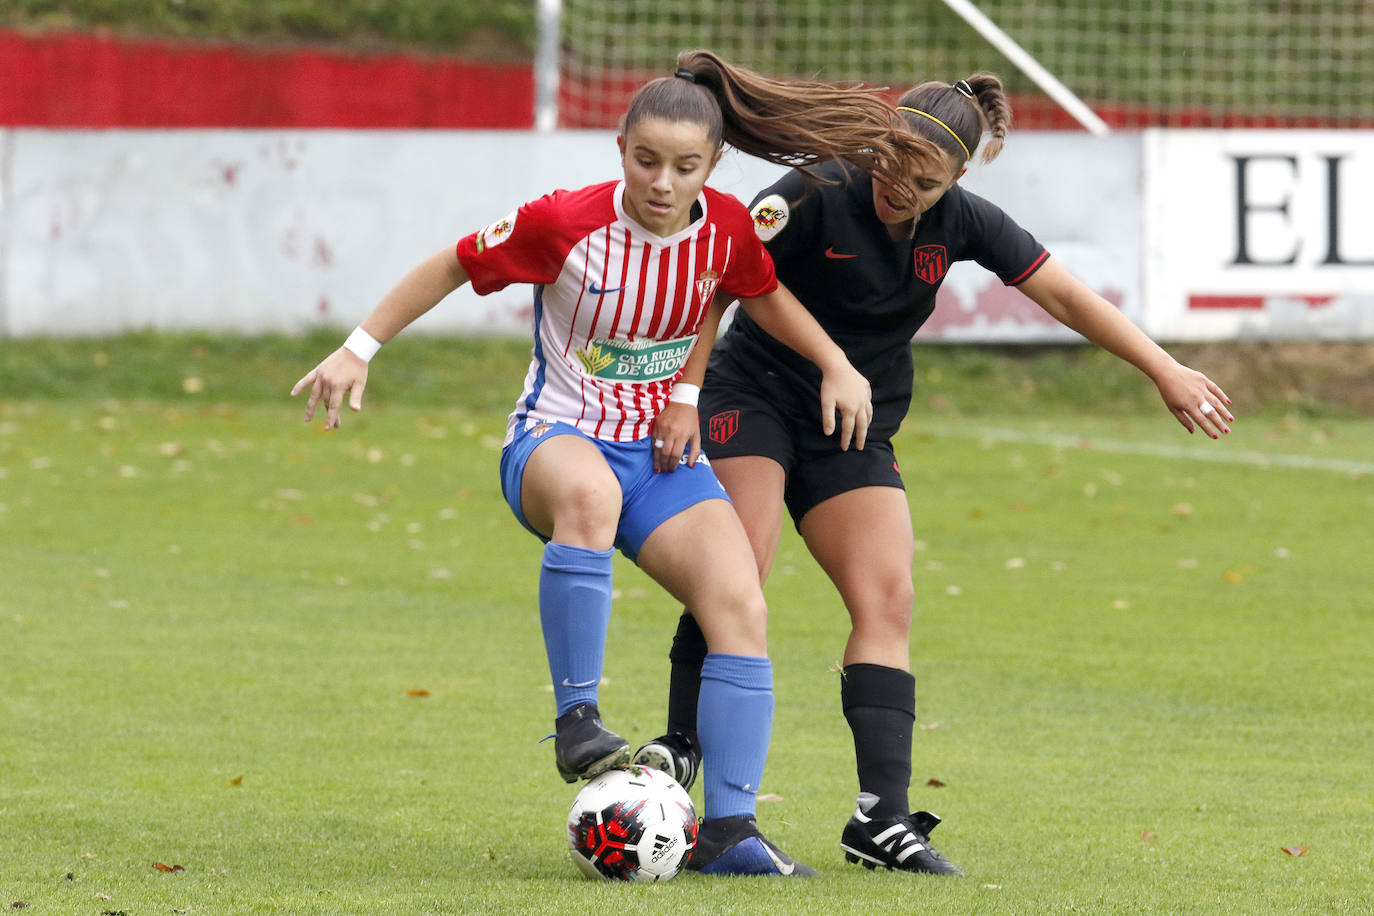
(845, 390)
(342, 371)
(1195, 400)
(676, 430)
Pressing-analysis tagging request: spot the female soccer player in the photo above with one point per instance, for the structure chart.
(624, 272)
(867, 263)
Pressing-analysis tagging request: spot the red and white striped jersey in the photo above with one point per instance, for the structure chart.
(616, 308)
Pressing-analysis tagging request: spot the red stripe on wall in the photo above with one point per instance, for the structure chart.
(1225, 302)
(86, 81)
(68, 79)
(1251, 302)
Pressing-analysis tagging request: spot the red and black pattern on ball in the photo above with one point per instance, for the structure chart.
(690, 828)
(603, 837)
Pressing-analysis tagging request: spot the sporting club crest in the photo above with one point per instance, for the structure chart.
(707, 281)
(931, 263)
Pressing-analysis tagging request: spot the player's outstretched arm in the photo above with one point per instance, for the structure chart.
(843, 388)
(344, 371)
(1194, 399)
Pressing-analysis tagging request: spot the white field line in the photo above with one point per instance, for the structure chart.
(1216, 454)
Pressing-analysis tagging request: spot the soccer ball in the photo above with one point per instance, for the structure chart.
(635, 824)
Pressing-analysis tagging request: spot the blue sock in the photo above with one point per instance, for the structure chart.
(734, 724)
(574, 611)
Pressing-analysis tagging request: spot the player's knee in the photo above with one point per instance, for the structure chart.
(885, 608)
(737, 624)
(588, 512)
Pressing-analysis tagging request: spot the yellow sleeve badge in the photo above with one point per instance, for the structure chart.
(770, 216)
(496, 233)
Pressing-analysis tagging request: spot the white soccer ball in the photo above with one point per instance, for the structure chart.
(635, 824)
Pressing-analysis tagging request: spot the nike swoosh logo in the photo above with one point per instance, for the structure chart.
(568, 683)
(832, 253)
(597, 291)
(785, 868)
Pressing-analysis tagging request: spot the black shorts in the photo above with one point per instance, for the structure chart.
(767, 415)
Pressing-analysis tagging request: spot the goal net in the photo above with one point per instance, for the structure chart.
(1136, 63)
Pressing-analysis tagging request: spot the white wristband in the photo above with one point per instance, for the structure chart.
(362, 345)
(685, 393)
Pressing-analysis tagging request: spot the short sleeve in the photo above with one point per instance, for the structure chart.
(523, 247)
(785, 215)
(999, 244)
(750, 272)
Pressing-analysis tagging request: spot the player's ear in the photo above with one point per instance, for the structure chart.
(961, 173)
(620, 142)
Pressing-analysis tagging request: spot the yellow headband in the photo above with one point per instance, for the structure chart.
(962, 145)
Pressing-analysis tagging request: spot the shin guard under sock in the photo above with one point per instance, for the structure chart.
(734, 724)
(574, 612)
(684, 682)
(880, 705)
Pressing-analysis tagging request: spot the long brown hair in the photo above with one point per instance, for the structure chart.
(791, 122)
(955, 116)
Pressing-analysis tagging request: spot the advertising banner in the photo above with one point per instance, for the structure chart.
(1264, 234)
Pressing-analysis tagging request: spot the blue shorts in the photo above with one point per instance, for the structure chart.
(648, 499)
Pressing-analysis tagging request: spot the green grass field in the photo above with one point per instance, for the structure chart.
(307, 668)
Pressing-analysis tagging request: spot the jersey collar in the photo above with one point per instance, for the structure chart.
(636, 229)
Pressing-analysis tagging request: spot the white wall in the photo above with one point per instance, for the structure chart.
(102, 231)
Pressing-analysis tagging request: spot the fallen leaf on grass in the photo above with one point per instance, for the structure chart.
(1294, 850)
(935, 783)
(417, 692)
(18, 905)
(1146, 836)
(236, 781)
(1232, 576)
(160, 867)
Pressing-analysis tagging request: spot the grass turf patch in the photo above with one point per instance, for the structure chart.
(307, 667)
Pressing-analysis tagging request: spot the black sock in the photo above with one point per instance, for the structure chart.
(880, 704)
(684, 683)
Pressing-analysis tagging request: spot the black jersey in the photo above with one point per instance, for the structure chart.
(869, 292)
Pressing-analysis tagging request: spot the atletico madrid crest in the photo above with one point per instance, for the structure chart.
(707, 281)
(722, 426)
(931, 262)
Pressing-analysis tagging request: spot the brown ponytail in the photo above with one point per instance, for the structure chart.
(791, 122)
(955, 117)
